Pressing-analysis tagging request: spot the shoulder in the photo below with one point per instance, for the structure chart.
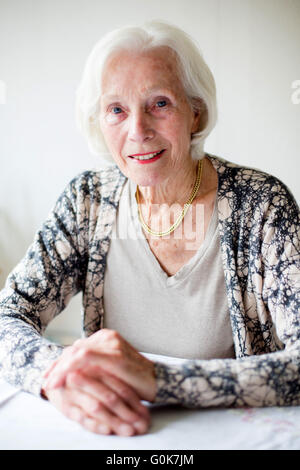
(249, 184)
(94, 180)
(95, 184)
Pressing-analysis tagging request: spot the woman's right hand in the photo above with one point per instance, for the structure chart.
(103, 405)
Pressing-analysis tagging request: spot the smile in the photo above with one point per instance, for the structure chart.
(147, 156)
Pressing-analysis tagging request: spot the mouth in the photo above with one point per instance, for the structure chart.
(147, 157)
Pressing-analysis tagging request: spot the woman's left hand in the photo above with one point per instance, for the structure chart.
(106, 351)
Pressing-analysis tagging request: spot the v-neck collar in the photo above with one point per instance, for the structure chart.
(185, 270)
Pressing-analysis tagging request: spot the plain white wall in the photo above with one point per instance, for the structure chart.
(251, 46)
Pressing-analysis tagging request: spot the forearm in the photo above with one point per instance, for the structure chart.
(257, 381)
(24, 354)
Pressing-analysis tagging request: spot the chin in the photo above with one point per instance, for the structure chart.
(145, 180)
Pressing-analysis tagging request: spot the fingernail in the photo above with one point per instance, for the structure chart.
(140, 426)
(125, 430)
(103, 429)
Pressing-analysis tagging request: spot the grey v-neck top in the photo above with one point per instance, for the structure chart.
(185, 315)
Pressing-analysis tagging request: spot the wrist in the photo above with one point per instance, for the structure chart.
(152, 390)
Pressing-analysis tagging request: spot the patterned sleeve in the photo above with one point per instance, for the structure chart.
(266, 379)
(37, 290)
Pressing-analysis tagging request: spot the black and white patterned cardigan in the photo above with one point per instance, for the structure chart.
(259, 230)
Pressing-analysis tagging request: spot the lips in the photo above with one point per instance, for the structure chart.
(146, 156)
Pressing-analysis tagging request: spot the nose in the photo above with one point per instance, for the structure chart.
(140, 129)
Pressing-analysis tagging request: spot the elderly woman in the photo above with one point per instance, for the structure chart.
(177, 252)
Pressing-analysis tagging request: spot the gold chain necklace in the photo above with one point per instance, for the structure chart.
(184, 211)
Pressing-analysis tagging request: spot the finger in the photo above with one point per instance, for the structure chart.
(93, 425)
(110, 399)
(78, 342)
(75, 413)
(127, 394)
(66, 353)
(90, 408)
(81, 347)
(70, 402)
(112, 361)
(81, 358)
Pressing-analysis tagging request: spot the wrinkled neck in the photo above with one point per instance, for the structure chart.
(176, 189)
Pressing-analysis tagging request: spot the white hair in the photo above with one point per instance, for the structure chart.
(197, 79)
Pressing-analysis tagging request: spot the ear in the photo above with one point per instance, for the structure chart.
(200, 115)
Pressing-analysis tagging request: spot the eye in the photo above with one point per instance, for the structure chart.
(161, 103)
(114, 114)
(116, 110)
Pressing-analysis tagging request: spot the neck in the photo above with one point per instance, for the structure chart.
(176, 188)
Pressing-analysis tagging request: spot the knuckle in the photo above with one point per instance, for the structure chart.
(94, 407)
(108, 334)
(115, 334)
(82, 354)
(123, 392)
(110, 399)
(112, 337)
(116, 343)
(73, 378)
(77, 344)
(68, 351)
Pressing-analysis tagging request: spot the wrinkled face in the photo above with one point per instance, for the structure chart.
(145, 116)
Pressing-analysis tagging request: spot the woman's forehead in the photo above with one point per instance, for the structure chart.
(162, 56)
(149, 71)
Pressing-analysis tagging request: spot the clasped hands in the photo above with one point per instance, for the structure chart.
(100, 381)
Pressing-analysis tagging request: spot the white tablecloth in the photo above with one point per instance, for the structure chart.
(28, 422)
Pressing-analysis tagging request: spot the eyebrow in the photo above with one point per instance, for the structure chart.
(150, 91)
(110, 97)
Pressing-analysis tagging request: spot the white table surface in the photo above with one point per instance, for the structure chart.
(30, 423)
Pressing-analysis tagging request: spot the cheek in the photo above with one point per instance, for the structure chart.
(111, 136)
(178, 132)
